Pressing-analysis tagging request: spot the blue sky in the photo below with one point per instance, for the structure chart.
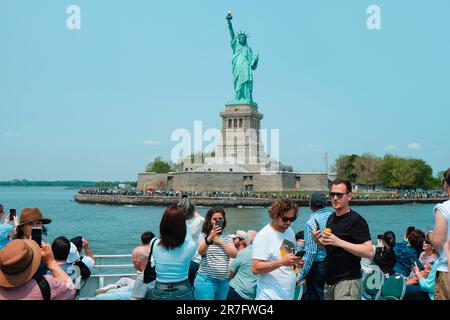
(101, 102)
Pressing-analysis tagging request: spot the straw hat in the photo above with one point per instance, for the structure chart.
(32, 214)
(19, 260)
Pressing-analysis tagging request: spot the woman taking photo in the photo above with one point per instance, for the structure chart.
(216, 248)
(172, 254)
(30, 218)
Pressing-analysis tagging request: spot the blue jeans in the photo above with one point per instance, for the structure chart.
(208, 288)
(315, 281)
(173, 291)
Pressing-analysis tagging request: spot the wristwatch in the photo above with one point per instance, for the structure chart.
(208, 242)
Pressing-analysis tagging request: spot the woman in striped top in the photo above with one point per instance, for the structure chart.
(216, 248)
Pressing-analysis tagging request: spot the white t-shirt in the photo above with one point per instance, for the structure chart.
(444, 208)
(280, 283)
(195, 225)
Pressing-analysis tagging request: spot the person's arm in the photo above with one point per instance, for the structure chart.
(363, 250)
(263, 267)
(234, 267)
(229, 248)
(439, 234)
(447, 253)
(49, 260)
(87, 250)
(230, 27)
(316, 237)
(311, 250)
(202, 245)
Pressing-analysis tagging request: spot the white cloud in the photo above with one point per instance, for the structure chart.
(391, 147)
(414, 146)
(151, 142)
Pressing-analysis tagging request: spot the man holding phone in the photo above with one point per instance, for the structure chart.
(272, 259)
(6, 229)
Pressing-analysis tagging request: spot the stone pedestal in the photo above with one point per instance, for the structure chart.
(240, 136)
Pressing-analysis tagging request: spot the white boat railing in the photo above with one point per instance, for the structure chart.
(99, 279)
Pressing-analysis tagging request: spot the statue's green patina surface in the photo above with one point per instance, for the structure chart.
(244, 62)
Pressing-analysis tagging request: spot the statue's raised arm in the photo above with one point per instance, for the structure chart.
(230, 26)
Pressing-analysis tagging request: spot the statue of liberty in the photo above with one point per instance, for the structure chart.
(244, 62)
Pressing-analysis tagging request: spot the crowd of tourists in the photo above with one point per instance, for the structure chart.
(196, 258)
(248, 194)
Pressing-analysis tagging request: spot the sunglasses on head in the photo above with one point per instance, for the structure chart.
(339, 195)
(286, 219)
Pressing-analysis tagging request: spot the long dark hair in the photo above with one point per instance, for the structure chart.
(389, 238)
(207, 225)
(172, 229)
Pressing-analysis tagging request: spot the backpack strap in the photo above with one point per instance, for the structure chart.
(149, 262)
(44, 286)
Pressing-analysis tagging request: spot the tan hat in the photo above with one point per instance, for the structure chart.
(19, 260)
(32, 214)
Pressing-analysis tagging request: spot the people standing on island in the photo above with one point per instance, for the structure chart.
(271, 261)
(313, 270)
(216, 248)
(194, 222)
(438, 238)
(346, 241)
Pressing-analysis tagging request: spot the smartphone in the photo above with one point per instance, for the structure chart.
(12, 214)
(380, 237)
(36, 235)
(219, 223)
(288, 246)
(419, 264)
(317, 224)
(300, 253)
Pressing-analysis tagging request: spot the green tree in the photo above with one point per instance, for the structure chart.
(366, 169)
(158, 165)
(344, 167)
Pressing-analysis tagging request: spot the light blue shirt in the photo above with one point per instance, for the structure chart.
(427, 284)
(244, 281)
(5, 229)
(313, 251)
(173, 265)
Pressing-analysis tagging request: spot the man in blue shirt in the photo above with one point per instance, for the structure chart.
(313, 269)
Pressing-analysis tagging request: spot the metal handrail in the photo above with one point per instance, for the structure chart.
(112, 256)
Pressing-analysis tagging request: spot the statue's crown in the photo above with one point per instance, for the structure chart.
(243, 33)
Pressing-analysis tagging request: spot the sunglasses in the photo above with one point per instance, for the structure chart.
(286, 219)
(339, 195)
